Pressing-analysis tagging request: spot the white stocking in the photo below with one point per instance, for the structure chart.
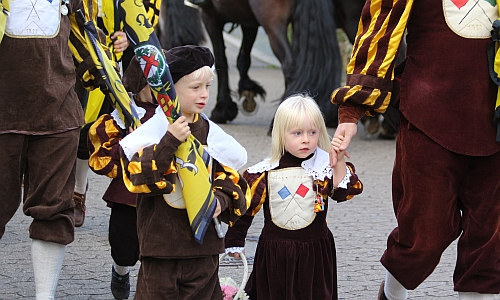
(121, 270)
(393, 290)
(47, 260)
(82, 168)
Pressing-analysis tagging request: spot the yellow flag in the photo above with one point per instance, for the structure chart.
(94, 105)
(116, 91)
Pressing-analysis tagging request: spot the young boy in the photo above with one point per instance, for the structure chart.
(173, 264)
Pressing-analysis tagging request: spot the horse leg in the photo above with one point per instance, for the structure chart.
(274, 17)
(247, 88)
(225, 109)
(179, 25)
(347, 14)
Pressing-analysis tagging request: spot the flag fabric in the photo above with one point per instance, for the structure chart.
(198, 195)
(4, 12)
(302, 190)
(113, 23)
(284, 192)
(116, 90)
(95, 100)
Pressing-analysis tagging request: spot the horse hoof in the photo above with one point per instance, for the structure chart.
(372, 126)
(223, 113)
(387, 132)
(248, 106)
(217, 119)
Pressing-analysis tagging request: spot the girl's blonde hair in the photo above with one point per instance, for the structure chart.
(291, 113)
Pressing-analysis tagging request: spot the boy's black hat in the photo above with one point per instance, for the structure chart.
(182, 61)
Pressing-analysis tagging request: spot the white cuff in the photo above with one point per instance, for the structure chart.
(235, 250)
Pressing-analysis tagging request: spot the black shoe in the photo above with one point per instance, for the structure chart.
(381, 294)
(120, 285)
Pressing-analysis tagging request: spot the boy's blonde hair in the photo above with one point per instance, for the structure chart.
(291, 113)
(203, 72)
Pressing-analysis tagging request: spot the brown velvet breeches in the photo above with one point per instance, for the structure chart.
(179, 279)
(47, 163)
(439, 196)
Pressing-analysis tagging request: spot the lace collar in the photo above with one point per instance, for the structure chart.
(317, 166)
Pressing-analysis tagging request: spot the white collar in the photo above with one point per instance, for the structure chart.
(140, 112)
(221, 146)
(317, 166)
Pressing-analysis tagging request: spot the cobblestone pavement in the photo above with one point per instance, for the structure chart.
(360, 226)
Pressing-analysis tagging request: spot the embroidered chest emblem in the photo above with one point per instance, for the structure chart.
(470, 18)
(291, 198)
(33, 18)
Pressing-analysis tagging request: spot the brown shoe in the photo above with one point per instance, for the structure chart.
(79, 200)
(381, 294)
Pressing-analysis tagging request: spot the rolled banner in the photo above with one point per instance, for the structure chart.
(116, 91)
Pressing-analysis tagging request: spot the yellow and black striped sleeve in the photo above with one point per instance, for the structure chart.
(235, 236)
(370, 72)
(258, 190)
(232, 191)
(354, 187)
(151, 169)
(104, 138)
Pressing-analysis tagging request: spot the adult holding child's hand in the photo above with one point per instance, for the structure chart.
(348, 131)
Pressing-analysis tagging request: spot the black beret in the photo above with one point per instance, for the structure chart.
(184, 60)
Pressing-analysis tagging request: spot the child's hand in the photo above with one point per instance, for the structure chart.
(236, 254)
(336, 142)
(217, 209)
(120, 41)
(180, 129)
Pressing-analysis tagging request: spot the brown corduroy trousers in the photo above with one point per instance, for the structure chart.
(180, 279)
(439, 196)
(47, 164)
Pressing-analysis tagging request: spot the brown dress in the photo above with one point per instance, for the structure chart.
(291, 264)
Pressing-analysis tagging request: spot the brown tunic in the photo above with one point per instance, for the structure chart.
(446, 90)
(44, 101)
(164, 231)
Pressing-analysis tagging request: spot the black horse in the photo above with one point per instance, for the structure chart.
(310, 61)
(179, 25)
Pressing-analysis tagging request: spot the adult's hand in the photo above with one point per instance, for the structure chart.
(348, 131)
